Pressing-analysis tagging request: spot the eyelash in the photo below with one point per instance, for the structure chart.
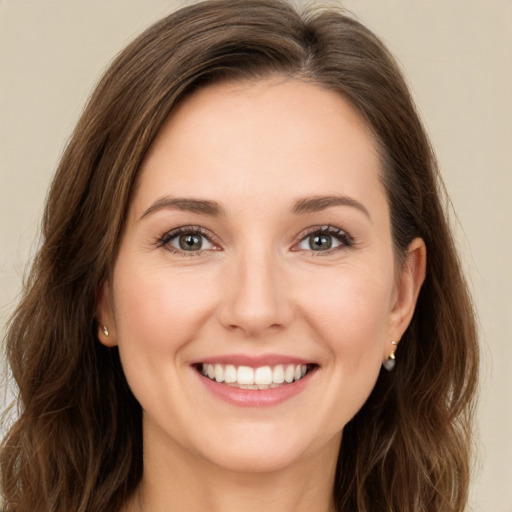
(164, 241)
(344, 239)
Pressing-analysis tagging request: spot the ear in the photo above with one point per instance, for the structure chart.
(105, 317)
(409, 282)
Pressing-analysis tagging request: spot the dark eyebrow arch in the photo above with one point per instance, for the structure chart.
(202, 206)
(318, 203)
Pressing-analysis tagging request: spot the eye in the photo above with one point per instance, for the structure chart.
(325, 239)
(187, 240)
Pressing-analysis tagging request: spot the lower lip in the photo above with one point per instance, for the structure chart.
(255, 397)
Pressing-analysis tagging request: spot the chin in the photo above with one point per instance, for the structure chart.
(263, 450)
(256, 460)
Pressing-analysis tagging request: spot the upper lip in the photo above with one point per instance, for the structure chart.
(252, 360)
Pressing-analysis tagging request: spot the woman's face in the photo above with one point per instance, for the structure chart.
(257, 247)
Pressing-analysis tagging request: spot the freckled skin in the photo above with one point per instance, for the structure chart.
(258, 287)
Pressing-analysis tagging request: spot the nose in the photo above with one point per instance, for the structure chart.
(257, 300)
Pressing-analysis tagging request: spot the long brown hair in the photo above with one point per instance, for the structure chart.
(77, 445)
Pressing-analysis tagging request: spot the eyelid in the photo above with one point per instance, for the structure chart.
(164, 240)
(341, 235)
(345, 239)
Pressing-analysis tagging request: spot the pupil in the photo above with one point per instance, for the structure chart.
(190, 242)
(319, 242)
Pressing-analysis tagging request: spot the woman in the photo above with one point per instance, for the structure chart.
(245, 224)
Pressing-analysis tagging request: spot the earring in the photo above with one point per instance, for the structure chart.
(389, 363)
(105, 330)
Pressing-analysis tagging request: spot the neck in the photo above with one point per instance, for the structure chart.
(176, 481)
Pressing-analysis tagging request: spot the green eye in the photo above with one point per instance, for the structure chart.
(320, 242)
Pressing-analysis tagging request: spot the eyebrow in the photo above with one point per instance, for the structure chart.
(202, 206)
(207, 207)
(318, 203)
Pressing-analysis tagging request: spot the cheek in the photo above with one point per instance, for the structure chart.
(349, 310)
(157, 312)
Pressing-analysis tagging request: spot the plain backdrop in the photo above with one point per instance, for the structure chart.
(457, 55)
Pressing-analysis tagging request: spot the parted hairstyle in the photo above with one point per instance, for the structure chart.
(77, 442)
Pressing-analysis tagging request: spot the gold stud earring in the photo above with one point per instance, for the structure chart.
(389, 363)
(105, 330)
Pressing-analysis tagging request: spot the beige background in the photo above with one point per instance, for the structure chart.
(458, 57)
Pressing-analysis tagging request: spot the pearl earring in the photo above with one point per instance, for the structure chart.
(389, 363)
(105, 330)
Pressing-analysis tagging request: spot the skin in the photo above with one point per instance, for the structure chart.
(256, 288)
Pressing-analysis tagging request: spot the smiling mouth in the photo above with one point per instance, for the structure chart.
(262, 377)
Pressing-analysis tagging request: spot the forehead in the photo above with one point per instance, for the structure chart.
(272, 137)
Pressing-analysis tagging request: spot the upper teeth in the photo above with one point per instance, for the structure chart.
(254, 378)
